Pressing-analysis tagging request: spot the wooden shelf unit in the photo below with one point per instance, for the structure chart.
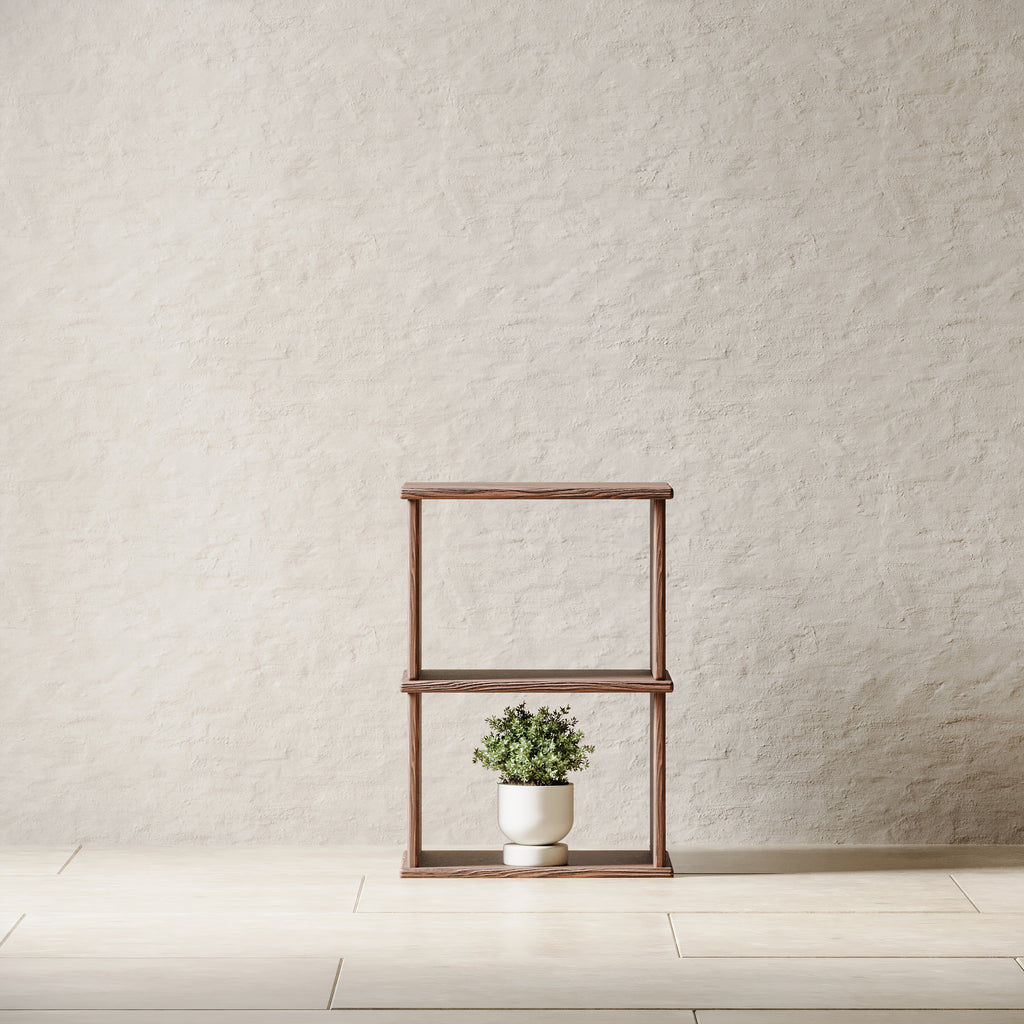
(654, 681)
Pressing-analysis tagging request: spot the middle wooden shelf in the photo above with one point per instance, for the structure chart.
(536, 681)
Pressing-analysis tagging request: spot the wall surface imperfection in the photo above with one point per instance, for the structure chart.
(264, 260)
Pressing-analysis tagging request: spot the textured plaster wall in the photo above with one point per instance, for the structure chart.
(263, 261)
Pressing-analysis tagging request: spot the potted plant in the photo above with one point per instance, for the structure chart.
(533, 752)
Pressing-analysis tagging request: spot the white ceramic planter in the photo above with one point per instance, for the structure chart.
(535, 815)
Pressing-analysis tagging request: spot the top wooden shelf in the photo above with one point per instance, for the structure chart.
(483, 491)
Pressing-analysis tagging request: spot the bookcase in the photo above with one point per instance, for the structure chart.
(653, 681)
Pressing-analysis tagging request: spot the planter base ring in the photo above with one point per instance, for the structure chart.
(521, 856)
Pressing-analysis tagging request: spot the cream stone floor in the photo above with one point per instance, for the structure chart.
(298, 935)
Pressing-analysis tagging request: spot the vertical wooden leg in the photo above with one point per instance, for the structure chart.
(658, 588)
(415, 602)
(659, 856)
(415, 787)
(415, 658)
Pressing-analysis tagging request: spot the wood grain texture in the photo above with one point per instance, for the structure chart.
(536, 681)
(658, 577)
(415, 848)
(659, 856)
(415, 589)
(504, 491)
(582, 864)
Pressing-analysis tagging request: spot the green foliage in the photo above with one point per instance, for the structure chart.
(533, 748)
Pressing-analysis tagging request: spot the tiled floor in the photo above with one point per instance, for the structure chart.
(299, 935)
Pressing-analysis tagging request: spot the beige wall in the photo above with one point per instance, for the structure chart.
(263, 261)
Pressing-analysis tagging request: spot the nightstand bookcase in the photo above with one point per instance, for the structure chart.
(654, 681)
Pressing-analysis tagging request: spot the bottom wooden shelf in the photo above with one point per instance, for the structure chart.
(582, 864)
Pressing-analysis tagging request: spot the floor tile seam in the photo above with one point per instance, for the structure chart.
(586, 954)
(670, 1008)
(74, 854)
(362, 914)
(460, 959)
(306, 881)
(515, 1009)
(157, 1009)
(553, 1009)
(849, 956)
(456, 956)
(334, 986)
(455, 959)
(675, 937)
(10, 931)
(9, 957)
(966, 897)
(752, 913)
(824, 913)
(859, 1009)
(820, 913)
(375, 955)
(516, 913)
(344, 915)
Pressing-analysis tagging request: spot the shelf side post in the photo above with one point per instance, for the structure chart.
(658, 588)
(415, 664)
(415, 783)
(659, 856)
(415, 589)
